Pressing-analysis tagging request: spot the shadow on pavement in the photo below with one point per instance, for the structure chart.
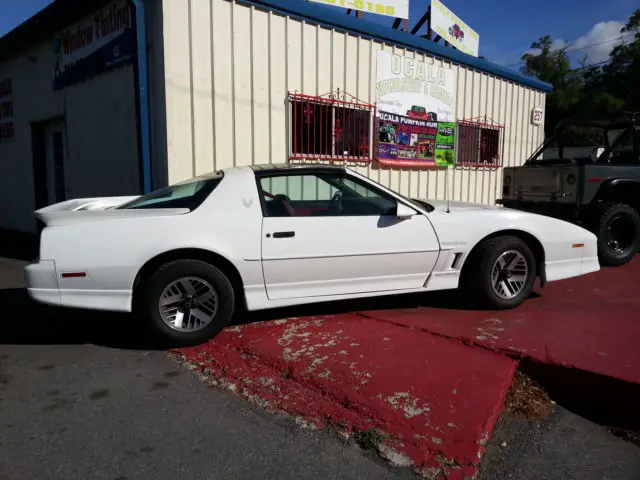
(604, 400)
(26, 322)
(29, 323)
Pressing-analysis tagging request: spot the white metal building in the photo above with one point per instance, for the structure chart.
(222, 83)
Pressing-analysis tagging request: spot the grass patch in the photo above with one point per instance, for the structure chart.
(527, 398)
(369, 439)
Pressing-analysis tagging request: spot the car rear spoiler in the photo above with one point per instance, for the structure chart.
(82, 210)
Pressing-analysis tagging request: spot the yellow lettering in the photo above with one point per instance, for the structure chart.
(408, 67)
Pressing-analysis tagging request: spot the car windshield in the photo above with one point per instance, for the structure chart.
(188, 194)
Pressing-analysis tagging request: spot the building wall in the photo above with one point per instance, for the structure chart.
(228, 69)
(101, 136)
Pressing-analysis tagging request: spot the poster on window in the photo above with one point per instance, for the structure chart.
(446, 144)
(413, 99)
(403, 141)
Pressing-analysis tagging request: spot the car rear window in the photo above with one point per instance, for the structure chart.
(188, 194)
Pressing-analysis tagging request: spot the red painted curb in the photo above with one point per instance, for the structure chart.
(590, 323)
(436, 400)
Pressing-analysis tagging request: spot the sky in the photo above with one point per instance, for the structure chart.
(506, 28)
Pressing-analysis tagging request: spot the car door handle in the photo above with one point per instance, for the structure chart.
(284, 234)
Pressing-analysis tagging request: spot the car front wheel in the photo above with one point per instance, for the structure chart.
(187, 302)
(502, 273)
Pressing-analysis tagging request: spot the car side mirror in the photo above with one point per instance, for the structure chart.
(404, 212)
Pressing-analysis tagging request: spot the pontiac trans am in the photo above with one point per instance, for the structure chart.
(186, 256)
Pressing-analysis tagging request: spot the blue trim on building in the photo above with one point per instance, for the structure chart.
(143, 96)
(347, 23)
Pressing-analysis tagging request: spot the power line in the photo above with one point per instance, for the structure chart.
(592, 65)
(569, 49)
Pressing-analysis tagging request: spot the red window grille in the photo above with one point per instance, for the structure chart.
(480, 143)
(332, 127)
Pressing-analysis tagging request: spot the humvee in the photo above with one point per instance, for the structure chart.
(597, 186)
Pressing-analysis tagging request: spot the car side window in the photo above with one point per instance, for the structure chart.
(624, 152)
(322, 194)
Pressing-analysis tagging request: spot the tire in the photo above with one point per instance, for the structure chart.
(478, 283)
(200, 279)
(625, 221)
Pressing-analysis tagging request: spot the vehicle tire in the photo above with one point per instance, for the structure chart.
(617, 226)
(501, 273)
(187, 302)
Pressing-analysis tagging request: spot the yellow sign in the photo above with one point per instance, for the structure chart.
(446, 24)
(390, 8)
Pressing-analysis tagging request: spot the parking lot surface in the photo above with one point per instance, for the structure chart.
(591, 323)
(432, 379)
(83, 397)
(434, 399)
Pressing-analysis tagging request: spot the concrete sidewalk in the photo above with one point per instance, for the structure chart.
(591, 323)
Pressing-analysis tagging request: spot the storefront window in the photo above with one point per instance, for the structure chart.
(330, 128)
(479, 144)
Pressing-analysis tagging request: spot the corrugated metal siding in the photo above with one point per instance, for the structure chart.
(229, 67)
(101, 136)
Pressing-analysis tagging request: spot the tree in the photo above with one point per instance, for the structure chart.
(588, 90)
(622, 74)
(552, 65)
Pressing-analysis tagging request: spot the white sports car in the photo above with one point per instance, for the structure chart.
(188, 255)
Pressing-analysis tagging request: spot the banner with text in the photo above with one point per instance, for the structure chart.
(446, 24)
(6, 110)
(103, 41)
(389, 8)
(446, 144)
(414, 98)
(405, 141)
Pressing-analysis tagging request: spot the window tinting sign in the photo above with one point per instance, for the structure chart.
(103, 41)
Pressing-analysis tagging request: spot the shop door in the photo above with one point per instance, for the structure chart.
(55, 156)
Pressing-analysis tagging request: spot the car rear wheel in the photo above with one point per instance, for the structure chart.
(501, 273)
(188, 302)
(617, 227)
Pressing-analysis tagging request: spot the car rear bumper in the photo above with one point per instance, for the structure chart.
(41, 281)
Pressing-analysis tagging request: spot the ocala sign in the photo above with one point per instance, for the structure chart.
(100, 42)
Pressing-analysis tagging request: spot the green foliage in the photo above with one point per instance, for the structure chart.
(593, 90)
(369, 439)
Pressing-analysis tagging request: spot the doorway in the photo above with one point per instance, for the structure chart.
(49, 159)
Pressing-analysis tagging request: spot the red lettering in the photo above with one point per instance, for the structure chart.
(6, 110)
(78, 39)
(113, 21)
(6, 131)
(5, 87)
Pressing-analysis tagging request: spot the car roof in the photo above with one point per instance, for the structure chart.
(281, 168)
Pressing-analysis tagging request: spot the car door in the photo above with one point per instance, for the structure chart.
(312, 248)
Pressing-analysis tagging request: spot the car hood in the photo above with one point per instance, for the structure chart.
(443, 206)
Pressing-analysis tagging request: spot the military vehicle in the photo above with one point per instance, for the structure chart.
(597, 186)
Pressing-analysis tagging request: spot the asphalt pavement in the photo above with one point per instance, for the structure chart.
(562, 446)
(82, 396)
